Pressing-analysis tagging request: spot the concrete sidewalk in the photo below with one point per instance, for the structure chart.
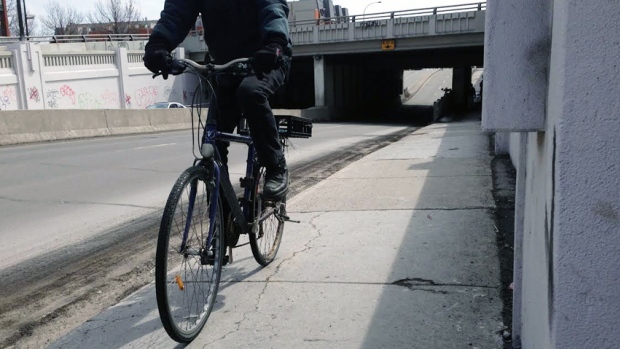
(397, 250)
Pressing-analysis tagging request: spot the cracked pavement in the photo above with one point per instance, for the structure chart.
(396, 250)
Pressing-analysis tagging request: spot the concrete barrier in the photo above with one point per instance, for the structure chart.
(122, 122)
(173, 119)
(24, 126)
(317, 113)
(30, 126)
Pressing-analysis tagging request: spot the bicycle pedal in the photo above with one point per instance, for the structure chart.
(225, 260)
(288, 219)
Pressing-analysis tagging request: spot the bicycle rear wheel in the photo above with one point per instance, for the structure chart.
(187, 265)
(265, 242)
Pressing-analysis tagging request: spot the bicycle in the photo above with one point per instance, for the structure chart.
(194, 230)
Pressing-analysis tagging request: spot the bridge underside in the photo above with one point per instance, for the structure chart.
(368, 82)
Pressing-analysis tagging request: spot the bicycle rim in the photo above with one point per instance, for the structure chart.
(187, 275)
(266, 241)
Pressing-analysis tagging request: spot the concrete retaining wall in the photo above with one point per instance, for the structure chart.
(27, 126)
(567, 207)
(38, 76)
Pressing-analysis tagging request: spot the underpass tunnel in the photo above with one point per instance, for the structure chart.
(461, 88)
(358, 86)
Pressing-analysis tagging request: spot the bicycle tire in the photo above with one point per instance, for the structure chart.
(184, 320)
(266, 241)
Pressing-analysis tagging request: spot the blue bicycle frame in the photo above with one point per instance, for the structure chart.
(222, 181)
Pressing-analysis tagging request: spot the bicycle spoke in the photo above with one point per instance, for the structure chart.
(186, 303)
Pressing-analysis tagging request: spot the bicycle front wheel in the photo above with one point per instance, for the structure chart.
(265, 242)
(188, 261)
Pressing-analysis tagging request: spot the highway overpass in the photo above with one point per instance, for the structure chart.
(353, 62)
(356, 62)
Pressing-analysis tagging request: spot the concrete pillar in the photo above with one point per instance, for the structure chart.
(502, 143)
(521, 189)
(330, 84)
(319, 81)
(516, 59)
(461, 88)
(122, 65)
(584, 99)
(28, 66)
(181, 82)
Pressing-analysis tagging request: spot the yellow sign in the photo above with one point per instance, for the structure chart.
(387, 45)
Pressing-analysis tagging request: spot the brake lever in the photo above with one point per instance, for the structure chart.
(175, 68)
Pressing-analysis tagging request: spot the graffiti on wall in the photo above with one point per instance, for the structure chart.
(7, 97)
(33, 94)
(110, 98)
(170, 91)
(67, 91)
(52, 98)
(127, 101)
(88, 101)
(120, 44)
(145, 96)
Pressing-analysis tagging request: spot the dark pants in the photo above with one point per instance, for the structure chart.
(249, 97)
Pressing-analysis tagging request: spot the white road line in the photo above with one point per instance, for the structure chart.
(155, 146)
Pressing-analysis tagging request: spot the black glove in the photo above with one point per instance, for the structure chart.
(267, 59)
(157, 59)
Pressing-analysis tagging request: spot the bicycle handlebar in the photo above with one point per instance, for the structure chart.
(178, 66)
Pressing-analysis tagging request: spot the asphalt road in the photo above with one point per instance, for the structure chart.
(57, 194)
(430, 82)
(64, 206)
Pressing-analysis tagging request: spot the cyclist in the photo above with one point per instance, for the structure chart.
(236, 29)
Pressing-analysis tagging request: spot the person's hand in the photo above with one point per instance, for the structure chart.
(267, 59)
(157, 59)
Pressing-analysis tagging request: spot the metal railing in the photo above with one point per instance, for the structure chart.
(431, 11)
(365, 20)
(54, 39)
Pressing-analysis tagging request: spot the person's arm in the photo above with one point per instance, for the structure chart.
(177, 18)
(273, 17)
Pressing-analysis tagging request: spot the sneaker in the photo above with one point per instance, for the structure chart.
(276, 182)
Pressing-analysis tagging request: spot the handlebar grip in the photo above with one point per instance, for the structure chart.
(175, 67)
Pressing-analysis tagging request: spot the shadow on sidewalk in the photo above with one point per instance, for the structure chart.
(444, 286)
(136, 318)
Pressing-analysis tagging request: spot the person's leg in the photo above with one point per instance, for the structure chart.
(253, 96)
(229, 114)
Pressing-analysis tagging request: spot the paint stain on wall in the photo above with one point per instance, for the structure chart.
(607, 211)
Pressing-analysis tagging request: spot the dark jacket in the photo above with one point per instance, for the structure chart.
(232, 28)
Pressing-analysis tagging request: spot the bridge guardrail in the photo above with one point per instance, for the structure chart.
(430, 11)
(398, 24)
(424, 21)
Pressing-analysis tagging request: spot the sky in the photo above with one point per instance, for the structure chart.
(152, 8)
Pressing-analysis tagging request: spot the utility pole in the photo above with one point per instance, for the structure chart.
(20, 21)
(26, 17)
